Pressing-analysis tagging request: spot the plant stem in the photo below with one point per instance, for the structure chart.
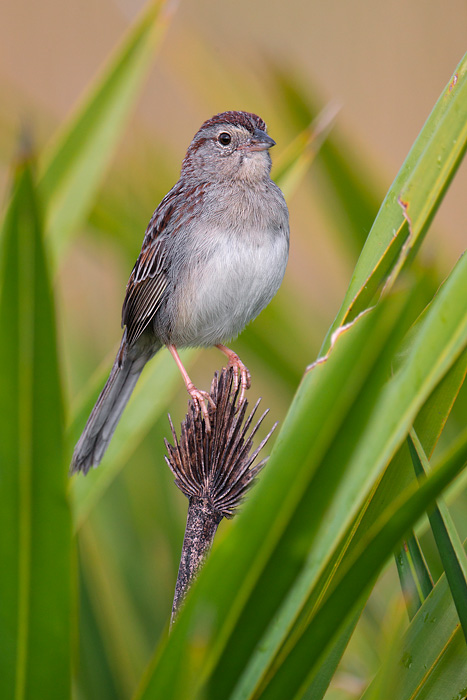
(201, 525)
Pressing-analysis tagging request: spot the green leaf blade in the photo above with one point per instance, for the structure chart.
(432, 660)
(35, 549)
(412, 200)
(360, 574)
(446, 537)
(414, 576)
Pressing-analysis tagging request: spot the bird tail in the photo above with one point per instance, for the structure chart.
(109, 407)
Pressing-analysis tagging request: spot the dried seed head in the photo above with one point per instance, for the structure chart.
(217, 466)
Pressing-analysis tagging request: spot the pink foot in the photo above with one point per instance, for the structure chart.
(199, 398)
(239, 369)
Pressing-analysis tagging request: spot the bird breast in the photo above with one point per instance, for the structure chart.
(230, 277)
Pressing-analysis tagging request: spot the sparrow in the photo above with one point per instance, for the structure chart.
(213, 256)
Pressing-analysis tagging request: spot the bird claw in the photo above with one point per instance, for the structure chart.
(199, 398)
(242, 372)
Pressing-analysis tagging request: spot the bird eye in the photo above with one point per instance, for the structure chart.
(224, 138)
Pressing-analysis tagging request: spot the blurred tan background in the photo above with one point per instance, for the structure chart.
(384, 63)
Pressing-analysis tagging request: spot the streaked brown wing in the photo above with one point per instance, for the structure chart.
(149, 276)
(144, 289)
(148, 279)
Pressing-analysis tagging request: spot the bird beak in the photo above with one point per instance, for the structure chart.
(260, 141)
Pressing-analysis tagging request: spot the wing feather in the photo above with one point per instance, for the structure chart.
(148, 279)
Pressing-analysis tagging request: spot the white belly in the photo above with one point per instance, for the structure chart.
(230, 288)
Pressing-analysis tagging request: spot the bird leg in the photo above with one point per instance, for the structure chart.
(198, 396)
(238, 369)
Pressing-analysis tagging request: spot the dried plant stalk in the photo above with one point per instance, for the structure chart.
(213, 469)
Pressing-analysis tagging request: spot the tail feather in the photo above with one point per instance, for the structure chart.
(105, 415)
